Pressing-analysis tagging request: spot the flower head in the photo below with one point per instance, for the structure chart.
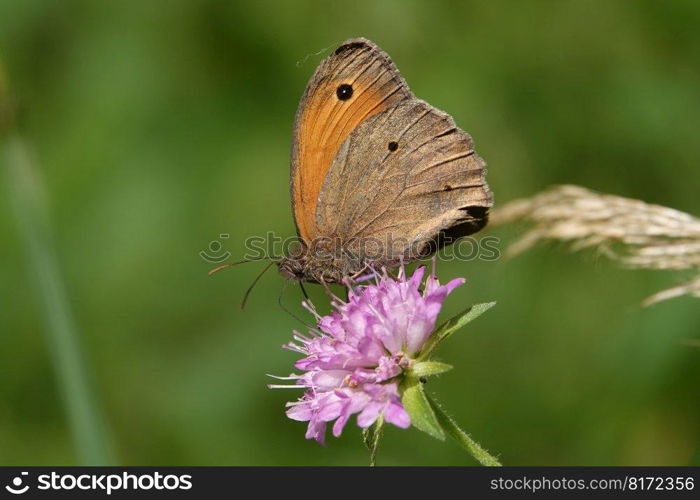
(354, 361)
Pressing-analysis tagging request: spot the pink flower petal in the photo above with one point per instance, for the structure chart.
(354, 366)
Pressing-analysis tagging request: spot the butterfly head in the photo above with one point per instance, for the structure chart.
(303, 264)
(292, 267)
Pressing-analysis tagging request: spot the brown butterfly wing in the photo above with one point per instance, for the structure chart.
(325, 118)
(404, 178)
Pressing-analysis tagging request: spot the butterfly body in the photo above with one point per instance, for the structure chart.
(378, 176)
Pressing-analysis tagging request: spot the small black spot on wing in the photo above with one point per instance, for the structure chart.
(344, 91)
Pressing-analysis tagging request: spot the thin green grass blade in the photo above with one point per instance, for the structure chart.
(86, 426)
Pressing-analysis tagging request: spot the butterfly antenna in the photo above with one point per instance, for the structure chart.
(230, 264)
(279, 301)
(255, 281)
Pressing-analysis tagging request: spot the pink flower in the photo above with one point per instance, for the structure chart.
(354, 362)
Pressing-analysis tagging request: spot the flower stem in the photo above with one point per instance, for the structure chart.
(451, 427)
(372, 436)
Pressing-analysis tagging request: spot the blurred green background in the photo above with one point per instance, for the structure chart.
(155, 126)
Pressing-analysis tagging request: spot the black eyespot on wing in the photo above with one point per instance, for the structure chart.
(344, 91)
(393, 146)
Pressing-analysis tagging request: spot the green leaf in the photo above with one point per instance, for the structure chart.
(429, 368)
(418, 407)
(371, 437)
(456, 433)
(452, 325)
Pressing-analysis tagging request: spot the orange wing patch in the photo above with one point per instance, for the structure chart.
(354, 83)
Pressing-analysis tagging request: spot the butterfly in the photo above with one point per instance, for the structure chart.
(378, 176)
